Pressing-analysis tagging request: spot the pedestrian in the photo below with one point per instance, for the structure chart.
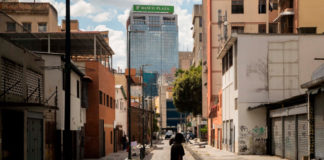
(124, 142)
(177, 151)
(188, 137)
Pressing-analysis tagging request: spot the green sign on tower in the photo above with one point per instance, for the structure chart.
(151, 8)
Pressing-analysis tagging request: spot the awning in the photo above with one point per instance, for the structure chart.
(286, 12)
(283, 103)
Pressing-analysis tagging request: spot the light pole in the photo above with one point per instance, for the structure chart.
(67, 136)
(143, 147)
(129, 92)
(153, 114)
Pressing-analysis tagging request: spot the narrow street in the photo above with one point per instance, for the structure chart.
(162, 152)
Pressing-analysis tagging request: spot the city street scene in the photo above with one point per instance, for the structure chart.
(161, 80)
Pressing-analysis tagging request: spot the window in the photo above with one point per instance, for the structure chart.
(262, 28)
(262, 6)
(154, 20)
(235, 103)
(104, 99)
(111, 137)
(237, 29)
(27, 27)
(274, 5)
(100, 97)
(107, 100)
(139, 19)
(168, 20)
(307, 30)
(200, 21)
(237, 6)
(273, 28)
(200, 37)
(42, 27)
(11, 27)
(78, 88)
(230, 57)
(111, 101)
(227, 60)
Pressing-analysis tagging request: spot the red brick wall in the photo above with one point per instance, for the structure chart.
(217, 122)
(102, 80)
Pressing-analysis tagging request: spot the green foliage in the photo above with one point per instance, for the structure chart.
(155, 125)
(187, 90)
(204, 129)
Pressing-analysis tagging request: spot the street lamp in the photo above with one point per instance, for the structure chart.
(128, 92)
(143, 147)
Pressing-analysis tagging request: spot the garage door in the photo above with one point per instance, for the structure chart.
(302, 136)
(277, 136)
(290, 137)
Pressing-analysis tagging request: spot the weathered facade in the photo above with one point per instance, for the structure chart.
(34, 17)
(185, 60)
(279, 66)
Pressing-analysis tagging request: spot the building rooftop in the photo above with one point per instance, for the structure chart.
(26, 7)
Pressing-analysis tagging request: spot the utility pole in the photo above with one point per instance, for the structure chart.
(67, 136)
(129, 99)
(143, 144)
(152, 116)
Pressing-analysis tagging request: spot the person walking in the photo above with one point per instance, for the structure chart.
(177, 151)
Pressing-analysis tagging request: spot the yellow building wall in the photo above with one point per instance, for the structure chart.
(311, 14)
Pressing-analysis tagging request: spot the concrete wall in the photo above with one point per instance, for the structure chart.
(257, 81)
(310, 14)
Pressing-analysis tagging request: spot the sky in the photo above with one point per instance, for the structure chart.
(111, 15)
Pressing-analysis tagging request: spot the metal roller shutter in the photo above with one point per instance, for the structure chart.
(302, 136)
(277, 136)
(290, 137)
(319, 127)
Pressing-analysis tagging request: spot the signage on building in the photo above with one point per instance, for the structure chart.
(152, 8)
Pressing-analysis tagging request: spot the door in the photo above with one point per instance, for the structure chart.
(101, 138)
(219, 138)
(277, 136)
(302, 136)
(231, 140)
(290, 137)
(34, 139)
(212, 137)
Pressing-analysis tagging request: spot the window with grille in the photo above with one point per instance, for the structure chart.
(11, 77)
(11, 27)
(262, 28)
(237, 29)
(237, 6)
(42, 27)
(27, 27)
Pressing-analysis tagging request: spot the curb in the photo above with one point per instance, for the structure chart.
(194, 154)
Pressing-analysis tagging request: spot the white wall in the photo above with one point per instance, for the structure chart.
(269, 68)
(121, 110)
(53, 79)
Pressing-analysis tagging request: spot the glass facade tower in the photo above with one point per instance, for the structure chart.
(153, 39)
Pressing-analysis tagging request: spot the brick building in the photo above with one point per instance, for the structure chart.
(101, 112)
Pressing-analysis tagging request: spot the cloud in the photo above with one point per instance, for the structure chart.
(104, 16)
(82, 8)
(122, 18)
(117, 41)
(185, 32)
(126, 4)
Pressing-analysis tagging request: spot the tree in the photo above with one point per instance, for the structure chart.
(187, 90)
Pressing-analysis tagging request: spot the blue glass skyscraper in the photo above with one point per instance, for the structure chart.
(153, 39)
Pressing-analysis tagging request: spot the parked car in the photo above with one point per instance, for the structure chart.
(168, 134)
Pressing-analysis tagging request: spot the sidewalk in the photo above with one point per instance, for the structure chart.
(210, 153)
(123, 155)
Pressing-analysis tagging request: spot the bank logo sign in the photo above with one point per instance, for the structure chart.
(151, 8)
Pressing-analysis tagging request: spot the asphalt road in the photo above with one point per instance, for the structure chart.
(162, 152)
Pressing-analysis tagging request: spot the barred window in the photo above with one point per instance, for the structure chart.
(237, 6)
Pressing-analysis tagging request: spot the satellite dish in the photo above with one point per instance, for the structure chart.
(225, 23)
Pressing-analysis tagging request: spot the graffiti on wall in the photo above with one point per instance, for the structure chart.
(252, 141)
